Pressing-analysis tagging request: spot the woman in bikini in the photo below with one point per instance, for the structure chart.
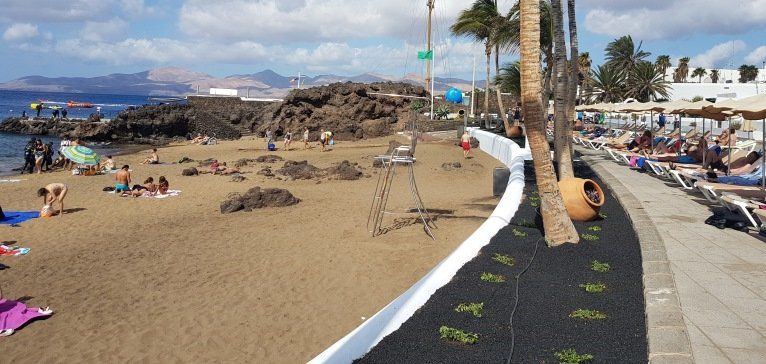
(54, 192)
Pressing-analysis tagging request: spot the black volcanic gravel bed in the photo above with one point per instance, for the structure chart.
(548, 292)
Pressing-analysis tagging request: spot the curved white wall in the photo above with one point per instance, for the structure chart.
(390, 318)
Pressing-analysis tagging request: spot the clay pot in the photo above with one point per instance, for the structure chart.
(579, 206)
(516, 131)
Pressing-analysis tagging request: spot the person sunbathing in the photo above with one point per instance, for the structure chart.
(728, 137)
(152, 158)
(107, 165)
(163, 186)
(216, 168)
(641, 143)
(197, 139)
(54, 192)
(147, 189)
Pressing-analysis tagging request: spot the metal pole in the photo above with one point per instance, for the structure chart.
(728, 164)
(651, 116)
(473, 84)
(763, 151)
(430, 5)
(704, 152)
(432, 98)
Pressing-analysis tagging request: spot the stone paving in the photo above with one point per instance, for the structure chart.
(716, 277)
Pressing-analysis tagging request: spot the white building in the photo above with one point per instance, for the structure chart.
(728, 86)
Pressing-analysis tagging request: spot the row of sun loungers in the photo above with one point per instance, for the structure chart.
(745, 200)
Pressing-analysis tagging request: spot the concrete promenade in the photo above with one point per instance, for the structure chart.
(715, 278)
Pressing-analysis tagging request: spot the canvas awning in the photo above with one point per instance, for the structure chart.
(751, 108)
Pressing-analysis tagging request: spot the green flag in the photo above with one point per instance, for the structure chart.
(426, 55)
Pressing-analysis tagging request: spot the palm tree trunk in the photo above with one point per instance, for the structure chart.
(500, 106)
(488, 51)
(574, 76)
(562, 135)
(556, 223)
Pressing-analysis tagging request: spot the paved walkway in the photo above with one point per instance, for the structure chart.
(719, 275)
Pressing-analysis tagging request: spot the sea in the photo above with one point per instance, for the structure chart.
(12, 103)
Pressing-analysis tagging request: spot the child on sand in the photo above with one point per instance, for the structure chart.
(465, 142)
(54, 192)
(288, 139)
(305, 138)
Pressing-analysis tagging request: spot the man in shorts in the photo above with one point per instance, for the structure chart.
(123, 179)
(465, 143)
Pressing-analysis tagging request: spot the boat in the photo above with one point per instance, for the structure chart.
(34, 105)
(83, 105)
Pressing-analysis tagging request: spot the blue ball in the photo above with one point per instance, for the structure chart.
(454, 96)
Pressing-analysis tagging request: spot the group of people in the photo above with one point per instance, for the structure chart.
(38, 156)
(326, 139)
(147, 189)
(201, 139)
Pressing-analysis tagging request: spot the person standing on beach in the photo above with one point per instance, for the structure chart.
(322, 139)
(122, 177)
(38, 108)
(63, 113)
(288, 139)
(29, 157)
(54, 192)
(465, 143)
(305, 138)
(48, 157)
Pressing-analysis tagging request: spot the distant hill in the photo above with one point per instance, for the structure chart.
(173, 81)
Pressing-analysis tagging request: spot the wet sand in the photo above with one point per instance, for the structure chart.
(174, 280)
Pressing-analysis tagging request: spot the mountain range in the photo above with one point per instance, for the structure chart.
(173, 81)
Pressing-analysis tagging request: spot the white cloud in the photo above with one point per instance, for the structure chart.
(20, 32)
(136, 8)
(112, 29)
(674, 19)
(54, 10)
(273, 21)
(757, 56)
(713, 57)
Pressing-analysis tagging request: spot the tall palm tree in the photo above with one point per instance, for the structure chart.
(608, 83)
(682, 71)
(662, 63)
(585, 64)
(509, 79)
(747, 73)
(646, 83)
(556, 222)
(714, 76)
(546, 39)
(562, 153)
(477, 22)
(623, 53)
(699, 72)
(574, 53)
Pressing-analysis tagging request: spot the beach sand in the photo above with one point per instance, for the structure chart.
(174, 280)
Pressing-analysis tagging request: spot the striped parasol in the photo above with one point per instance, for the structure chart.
(81, 155)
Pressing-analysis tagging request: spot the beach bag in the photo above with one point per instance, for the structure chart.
(272, 147)
(46, 211)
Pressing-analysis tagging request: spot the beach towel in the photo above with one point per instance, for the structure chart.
(170, 193)
(7, 250)
(17, 217)
(14, 314)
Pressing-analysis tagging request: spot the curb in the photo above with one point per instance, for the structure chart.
(667, 336)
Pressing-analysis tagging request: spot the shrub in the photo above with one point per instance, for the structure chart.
(475, 309)
(504, 259)
(593, 287)
(452, 334)
(492, 278)
(584, 314)
(600, 267)
(519, 233)
(570, 356)
(589, 237)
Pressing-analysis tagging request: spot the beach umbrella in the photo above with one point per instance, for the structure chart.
(81, 155)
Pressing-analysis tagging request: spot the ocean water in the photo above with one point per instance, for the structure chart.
(12, 103)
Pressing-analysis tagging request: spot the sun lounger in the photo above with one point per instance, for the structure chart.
(746, 207)
(713, 191)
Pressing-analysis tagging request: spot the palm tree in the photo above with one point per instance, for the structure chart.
(646, 83)
(502, 38)
(560, 95)
(477, 22)
(747, 73)
(556, 222)
(584, 77)
(714, 76)
(574, 53)
(546, 39)
(662, 63)
(699, 72)
(608, 83)
(509, 79)
(623, 53)
(682, 71)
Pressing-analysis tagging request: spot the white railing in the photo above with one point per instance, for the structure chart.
(390, 318)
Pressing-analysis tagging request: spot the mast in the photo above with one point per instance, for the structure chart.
(429, 62)
(473, 83)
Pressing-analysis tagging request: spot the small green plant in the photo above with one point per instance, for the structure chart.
(519, 233)
(589, 237)
(584, 314)
(475, 309)
(416, 106)
(602, 215)
(594, 228)
(534, 200)
(600, 267)
(593, 287)
(492, 278)
(453, 334)
(504, 259)
(441, 112)
(570, 356)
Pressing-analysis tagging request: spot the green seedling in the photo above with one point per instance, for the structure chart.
(452, 334)
(589, 237)
(602, 215)
(593, 287)
(570, 356)
(584, 314)
(475, 309)
(600, 267)
(492, 278)
(519, 233)
(504, 259)
(527, 224)
(594, 228)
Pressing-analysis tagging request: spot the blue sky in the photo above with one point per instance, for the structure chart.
(346, 37)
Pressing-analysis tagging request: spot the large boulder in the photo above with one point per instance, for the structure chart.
(301, 170)
(257, 198)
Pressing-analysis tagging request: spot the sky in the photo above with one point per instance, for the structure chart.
(345, 37)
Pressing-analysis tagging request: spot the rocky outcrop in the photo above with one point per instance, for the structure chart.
(256, 198)
(345, 171)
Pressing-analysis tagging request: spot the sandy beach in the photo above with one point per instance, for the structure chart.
(174, 280)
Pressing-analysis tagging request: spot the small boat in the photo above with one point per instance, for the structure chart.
(42, 105)
(83, 105)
